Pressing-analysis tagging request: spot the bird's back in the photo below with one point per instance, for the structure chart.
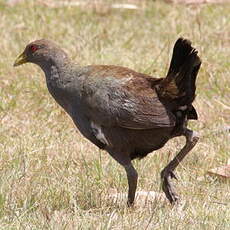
(130, 80)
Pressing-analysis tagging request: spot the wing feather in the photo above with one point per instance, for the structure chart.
(122, 97)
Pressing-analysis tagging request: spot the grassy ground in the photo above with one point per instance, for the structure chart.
(51, 177)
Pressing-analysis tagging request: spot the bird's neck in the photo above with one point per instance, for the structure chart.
(56, 70)
(57, 79)
(47, 62)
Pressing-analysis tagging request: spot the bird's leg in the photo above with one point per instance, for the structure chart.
(167, 173)
(132, 181)
(131, 172)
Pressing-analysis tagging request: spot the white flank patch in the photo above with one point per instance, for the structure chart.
(99, 134)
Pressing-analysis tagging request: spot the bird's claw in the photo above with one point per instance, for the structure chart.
(172, 174)
(130, 204)
(168, 188)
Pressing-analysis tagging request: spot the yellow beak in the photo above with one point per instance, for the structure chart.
(21, 59)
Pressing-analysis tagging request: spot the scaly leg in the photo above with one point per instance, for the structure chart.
(132, 181)
(167, 173)
(131, 172)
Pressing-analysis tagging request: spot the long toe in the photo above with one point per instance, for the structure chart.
(169, 190)
(130, 204)
(172, 175)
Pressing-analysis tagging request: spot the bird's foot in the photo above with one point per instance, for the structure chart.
(166, 177)
(130, 204)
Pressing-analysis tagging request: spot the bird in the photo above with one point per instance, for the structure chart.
(126, 113)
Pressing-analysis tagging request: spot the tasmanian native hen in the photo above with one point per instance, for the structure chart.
(126, 113)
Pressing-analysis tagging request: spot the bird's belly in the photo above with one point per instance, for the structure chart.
(92, 133)
(136, 143)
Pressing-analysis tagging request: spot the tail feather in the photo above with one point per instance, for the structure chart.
(185, 79)
(180, 82)
(181, 50)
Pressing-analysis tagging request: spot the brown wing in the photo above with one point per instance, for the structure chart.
(118, 96)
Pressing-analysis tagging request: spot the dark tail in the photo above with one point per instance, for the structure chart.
(180, 82)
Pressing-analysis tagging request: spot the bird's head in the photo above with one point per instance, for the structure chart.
(41, 52)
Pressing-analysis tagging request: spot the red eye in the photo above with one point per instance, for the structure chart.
(33, 48)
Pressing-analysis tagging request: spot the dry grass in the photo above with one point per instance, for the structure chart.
(52, 178)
